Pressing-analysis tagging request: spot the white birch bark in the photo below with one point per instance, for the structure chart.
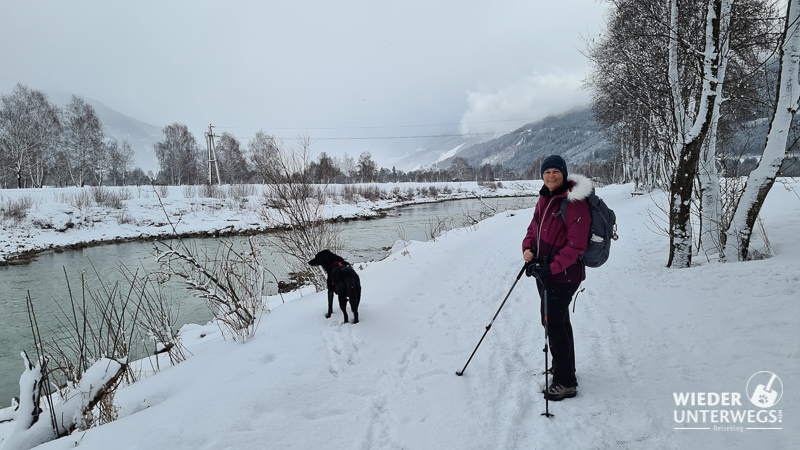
(681, 188)
(762, 178)
(678, 111)
(708, 176)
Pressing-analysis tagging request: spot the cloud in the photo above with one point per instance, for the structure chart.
(527, 100)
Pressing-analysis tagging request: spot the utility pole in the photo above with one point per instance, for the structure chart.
(212, 155)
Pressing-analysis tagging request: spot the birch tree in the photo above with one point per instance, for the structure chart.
(708, 177)
(691, 143)
(178, 155)
(262, 151)
(120, 161)
(231, 159)
(83, 139)
(763, 177)
(367, 168)
(29, 129)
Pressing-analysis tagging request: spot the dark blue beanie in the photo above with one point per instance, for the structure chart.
(555, 162)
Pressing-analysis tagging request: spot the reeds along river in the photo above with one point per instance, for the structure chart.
(45, 279)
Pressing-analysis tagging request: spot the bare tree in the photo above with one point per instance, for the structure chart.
(326, 169)
(367, 168)
(460, 169)
(486, 172)
(348, 167)
(262, 151)
(120, 158)
(29, 128)
(178, 156)
(232, 162)
(83, 139)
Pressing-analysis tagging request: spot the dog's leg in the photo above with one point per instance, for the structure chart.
(330, 304)
(354, 302)
(343, 306)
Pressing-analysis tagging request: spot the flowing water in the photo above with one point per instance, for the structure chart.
(46, 277)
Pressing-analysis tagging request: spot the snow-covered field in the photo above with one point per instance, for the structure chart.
(63, 217)
(643, 333)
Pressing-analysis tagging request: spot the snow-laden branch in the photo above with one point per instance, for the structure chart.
(72, 410)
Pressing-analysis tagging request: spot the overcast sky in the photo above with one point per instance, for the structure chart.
(356, 68)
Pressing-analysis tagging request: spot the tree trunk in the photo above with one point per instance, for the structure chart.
(762, 178)
(681, 186)
(708, 178)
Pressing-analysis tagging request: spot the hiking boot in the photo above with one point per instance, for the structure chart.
(558, 392)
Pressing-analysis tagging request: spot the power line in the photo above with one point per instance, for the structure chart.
(375, 127)
(383, 137)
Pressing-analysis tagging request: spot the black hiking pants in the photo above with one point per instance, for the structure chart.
(559, 330)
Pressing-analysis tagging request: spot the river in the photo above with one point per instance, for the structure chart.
(45, 278)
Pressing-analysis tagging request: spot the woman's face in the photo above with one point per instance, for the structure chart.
(553, 179)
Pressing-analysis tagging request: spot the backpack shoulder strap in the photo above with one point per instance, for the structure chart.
(563, 210)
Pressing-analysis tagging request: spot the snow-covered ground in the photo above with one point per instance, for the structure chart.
(63, 217)
(643, 333)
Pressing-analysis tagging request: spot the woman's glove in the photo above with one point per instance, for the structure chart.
(540, 270)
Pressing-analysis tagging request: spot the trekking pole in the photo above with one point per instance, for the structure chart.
(546, 412)
(488, 327)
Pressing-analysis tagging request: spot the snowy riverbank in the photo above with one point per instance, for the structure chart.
(643, 333)
(34, 220)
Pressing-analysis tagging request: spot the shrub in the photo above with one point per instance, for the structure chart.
(124, 217)
(189, 191)
(15, 210)
(162, 190)
(109, 198)
(349, 193)
(371, 193)
(212, 191)
(242, 190)
(80, 200)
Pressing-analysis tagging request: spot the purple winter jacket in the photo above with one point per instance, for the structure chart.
(562, 244)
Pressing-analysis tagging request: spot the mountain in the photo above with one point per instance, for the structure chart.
(118, 126)
(434, 150)
(574, 135)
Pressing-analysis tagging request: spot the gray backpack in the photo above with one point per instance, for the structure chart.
(602, 231)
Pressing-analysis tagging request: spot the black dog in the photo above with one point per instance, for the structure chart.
(343, 280)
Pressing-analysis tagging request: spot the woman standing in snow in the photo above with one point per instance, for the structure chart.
(559, 241)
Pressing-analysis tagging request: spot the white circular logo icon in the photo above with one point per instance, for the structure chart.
(764, 389)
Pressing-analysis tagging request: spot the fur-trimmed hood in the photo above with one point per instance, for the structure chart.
(581, 189)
